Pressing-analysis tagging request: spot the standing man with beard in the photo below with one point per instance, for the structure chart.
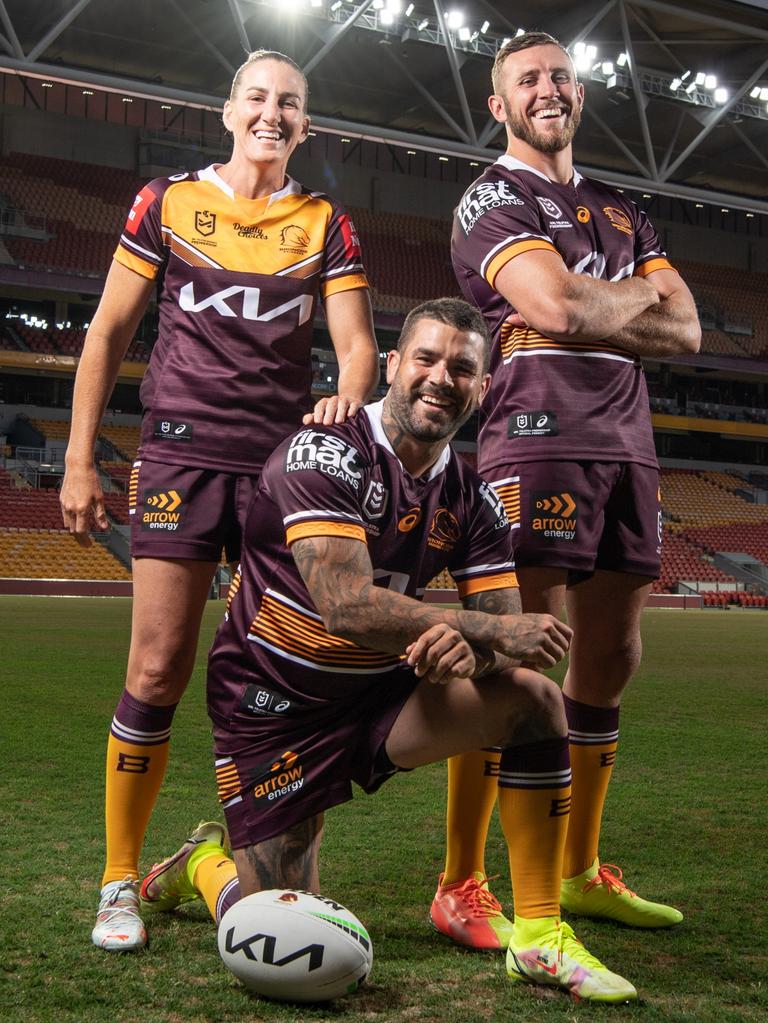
(575, 289)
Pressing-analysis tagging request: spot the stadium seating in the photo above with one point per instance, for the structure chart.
(53, 554)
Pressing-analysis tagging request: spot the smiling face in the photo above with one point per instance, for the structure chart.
(437, 380)
(266, 113)
(539, 98)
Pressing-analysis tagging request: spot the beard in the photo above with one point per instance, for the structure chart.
(423, 425)
(544, 143)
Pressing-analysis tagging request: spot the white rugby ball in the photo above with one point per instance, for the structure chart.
(294, 946)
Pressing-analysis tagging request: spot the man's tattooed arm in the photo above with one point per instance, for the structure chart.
(339, 577)
(493, 602)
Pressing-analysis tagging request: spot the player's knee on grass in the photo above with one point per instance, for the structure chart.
(530, 708)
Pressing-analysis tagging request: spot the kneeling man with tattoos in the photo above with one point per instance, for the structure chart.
(329, 669)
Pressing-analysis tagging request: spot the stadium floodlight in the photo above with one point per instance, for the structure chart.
(386, 18)
(505, 40)
(710, 82)
(484, 27)
(623, 59)
(315, 3)
(395, 6)
(675, 84)
(454, 19)
(520, 32)
(755, 92)
(377, 5)
(690, 89)
(607, 67)
(721, 95)
(700, 78)
(422, 24)
(464, 34)
(764, 94)
(336, 5)
(409, 10)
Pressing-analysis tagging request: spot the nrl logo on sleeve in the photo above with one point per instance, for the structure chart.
(375, 500)
(489, 495)
(325, 453)
(489, 195)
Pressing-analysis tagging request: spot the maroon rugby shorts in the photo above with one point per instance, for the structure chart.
(583, 516)
(182, 512)
(272, 777)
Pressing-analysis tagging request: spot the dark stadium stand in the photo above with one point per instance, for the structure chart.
(81, 208)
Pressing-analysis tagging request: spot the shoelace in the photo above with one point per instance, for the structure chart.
(481, 902)
(609, 875)
(568, 942)
(113, 908)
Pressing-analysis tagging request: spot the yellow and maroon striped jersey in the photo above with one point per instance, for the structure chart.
(554, 400)
(238, 282)
(346, 481)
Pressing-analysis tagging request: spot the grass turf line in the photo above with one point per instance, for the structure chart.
(686, 819)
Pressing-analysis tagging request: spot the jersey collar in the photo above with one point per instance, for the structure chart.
(374, 413)
(513, 164)
(210, 174)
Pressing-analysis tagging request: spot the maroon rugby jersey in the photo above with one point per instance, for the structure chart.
(559, 400)
(239, 278)
(343, 481)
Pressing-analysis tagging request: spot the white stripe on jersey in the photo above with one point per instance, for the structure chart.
(151, 257)
(500, 483)
(292, 603)
(348, 268)
(190, 248)
(504, 566)
(331, 668)
(323, 513)
(578, 355)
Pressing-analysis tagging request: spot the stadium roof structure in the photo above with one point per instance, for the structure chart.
(677, 92)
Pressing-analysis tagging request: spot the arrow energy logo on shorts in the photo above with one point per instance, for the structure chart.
(554, 515)
(162, 510)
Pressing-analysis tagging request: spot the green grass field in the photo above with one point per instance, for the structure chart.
(686, 820)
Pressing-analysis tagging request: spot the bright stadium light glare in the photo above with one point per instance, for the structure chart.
(464, 34)
(623, 59)
(386, 18)
(721, 95)
(377, 5)
(455, 19)
(520, 32)
(690, 89)
(700, 78)
(409, 10)
(675, 84)
(764, 94)
(316, 3)
(579, 48)
(394, 6)
(710, 82)
(484, 27)
(607, 67)
(755, 92)
(422, 24)
(591, 52)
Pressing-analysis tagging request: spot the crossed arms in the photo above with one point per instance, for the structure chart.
(652, 317)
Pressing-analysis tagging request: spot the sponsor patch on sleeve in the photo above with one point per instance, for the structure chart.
(141, 204)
